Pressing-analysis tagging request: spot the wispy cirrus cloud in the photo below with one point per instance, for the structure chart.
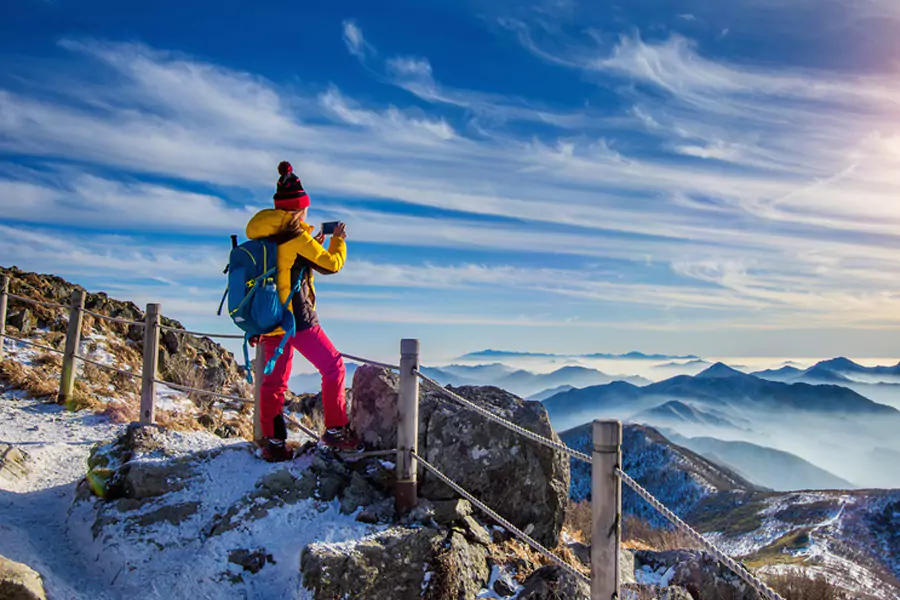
(770, 214)
(356, 43)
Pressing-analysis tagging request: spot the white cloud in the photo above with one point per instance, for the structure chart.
(782, 185)
(356, 43)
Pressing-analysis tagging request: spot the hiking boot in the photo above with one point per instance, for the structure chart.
(342, 439)
(276, 451)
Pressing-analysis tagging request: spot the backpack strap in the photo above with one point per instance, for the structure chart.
(254, 285)
(289, 324)
(247, 358)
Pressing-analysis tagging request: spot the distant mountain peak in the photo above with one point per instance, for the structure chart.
(720, 370)
(840, 363)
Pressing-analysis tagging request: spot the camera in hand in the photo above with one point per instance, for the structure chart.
(328, 228)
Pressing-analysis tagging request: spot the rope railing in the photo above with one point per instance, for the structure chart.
(32, 344)
(193, 390)
(739, 569)
(503, 522)
(223, 336)
(366, 361)
(120, 320)
(503, 422)
(27, 300)
(108, 367)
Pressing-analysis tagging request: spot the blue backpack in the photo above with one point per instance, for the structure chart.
(253, 302)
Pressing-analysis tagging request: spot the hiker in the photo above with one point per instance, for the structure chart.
(299, 253)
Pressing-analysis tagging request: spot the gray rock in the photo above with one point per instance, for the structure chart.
(553, 583)
(22, 319)
(674, 593)
(524, 481)
(422, 513)
(503, 588)
(359, 493)
(20, 582)
(174, 514)
(389, 565)
(380, 512)
(475, 531)
(251, 560)
(461, 570)
(655, 592)
(447, 512)
(698, 573)
(14, 463)
(373, 412)
(582, 552)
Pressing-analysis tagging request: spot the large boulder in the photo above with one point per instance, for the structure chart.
(401, 562)
(694, 570)
(374, 415)
(522, 480)
(19, 582)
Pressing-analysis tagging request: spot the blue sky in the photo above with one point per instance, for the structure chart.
(683, 177)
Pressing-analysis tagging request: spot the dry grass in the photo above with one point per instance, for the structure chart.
(83, 398)
(523, 560)
(126, 354)
(183, 371)
(578, 521)
(49, 360)
(178, 421)
(128, 411)
(799, 586)
(35, 382)
(96, 377)
(638, 534)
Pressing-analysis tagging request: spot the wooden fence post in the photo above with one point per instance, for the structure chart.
(606, 503)
(259, 367)
(151, 364)
(406, 494)
(73, 343)
(4, 290)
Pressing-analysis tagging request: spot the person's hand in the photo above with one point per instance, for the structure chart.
(320, 237)
(340, 230)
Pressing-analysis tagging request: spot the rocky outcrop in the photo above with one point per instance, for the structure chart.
(695, 571)
(374, 417)
(524, 481)
(403, 562)
(392, 564)
(14, 463)
(19, 582)
(553, 583)
(179, 353)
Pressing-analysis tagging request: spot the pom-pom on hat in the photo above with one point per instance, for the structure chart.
(289, 194)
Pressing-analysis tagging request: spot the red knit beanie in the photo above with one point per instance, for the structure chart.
(289, 194)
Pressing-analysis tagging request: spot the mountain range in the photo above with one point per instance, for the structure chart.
(633, 355)
(848, 536)
(718, 387)
(520, 382)
(829, 427)
(767, 467)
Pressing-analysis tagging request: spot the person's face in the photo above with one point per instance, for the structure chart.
(302, 214)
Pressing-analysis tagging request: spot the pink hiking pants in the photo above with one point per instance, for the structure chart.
(315, 346)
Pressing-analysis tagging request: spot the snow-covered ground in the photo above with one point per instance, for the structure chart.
(33, 510)
(40, 527)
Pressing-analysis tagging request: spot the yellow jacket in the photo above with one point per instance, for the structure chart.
(293, 255)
